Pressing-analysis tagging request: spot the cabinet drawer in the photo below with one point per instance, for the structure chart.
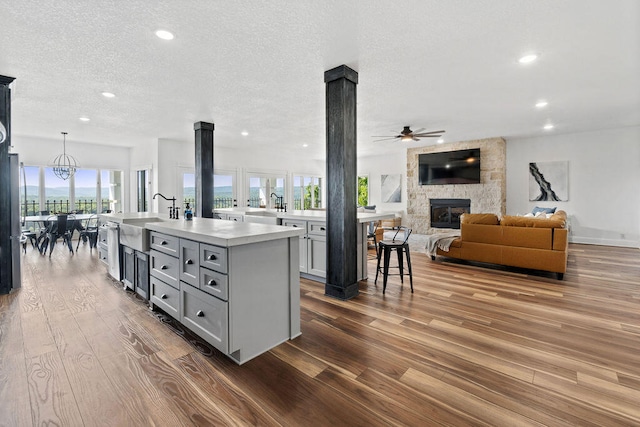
(235, 217)
(164, 243)
(214, 283)
(317, 228)
(213, 257)
(206, 316)
(102, 236)
(189, 261)
(164, 267)
(295, 224)
(103, 254)
(165, 297)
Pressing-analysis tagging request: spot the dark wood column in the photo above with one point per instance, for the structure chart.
(342, 267)
(204, 169)
(6, 276)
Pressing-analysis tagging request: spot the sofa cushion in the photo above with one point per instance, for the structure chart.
(521, 221)
(479, 218)
(481, 233)
(538, 238)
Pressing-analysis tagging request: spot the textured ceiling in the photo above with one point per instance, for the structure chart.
(258, 66)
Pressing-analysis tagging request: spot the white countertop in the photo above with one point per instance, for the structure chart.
(308, 215)
(223, 233)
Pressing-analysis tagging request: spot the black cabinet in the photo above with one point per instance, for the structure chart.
(135, 275)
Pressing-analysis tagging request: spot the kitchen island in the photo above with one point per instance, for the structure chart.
(313, 244)
(236, 285)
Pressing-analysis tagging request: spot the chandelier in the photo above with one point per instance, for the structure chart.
(64, 165)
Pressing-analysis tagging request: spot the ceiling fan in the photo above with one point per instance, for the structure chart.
(408, 135)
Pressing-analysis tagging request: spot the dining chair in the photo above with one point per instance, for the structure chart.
(89, 232)
(58, 228)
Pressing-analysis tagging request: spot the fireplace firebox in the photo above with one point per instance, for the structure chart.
(445, 213)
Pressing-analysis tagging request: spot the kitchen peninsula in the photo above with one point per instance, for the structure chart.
(313, 240)
(236, 285)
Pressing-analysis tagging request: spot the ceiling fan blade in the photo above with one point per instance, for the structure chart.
(429, 136)
(419, 130)
(384, 139)
(427, 133)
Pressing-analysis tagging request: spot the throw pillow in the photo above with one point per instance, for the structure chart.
(544, 210)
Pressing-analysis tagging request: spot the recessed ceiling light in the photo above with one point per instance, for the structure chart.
(541, 104)
(244, 133)
(440, 141)
(548, 126)
(528, 58)
(84, 119)
(164, 35)
(108, 94)
(305, 145)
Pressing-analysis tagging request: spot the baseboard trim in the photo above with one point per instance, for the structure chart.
(605, 242)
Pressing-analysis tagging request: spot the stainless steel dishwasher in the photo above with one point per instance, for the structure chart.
(113, 249)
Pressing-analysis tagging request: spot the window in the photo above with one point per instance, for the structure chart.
(86, 191)
(307, 192)
(363, 190)
(56, 193)
(30, 191)
(224, 195)
(142, 190)
(111, 191)
(261, 188)
(189, 190)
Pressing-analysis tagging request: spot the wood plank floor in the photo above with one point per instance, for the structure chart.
(472, 346)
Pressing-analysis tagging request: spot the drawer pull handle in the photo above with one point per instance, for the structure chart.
(321, 228)
(163, 267)
(164, 242)
(211, 283)
(163, 296)
(211, 257)
(188, 262)
(200, 313)
(295, 225)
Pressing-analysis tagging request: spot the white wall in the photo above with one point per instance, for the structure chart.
(387, 164)
(604, 182)
(42, 151)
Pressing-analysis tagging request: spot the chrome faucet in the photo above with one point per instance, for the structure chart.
(173, 211)
(280, 204)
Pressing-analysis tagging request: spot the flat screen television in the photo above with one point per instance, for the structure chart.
(449, 167)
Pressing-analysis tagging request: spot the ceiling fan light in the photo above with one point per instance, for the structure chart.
(406, 138)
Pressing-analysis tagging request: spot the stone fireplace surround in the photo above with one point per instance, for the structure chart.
(487, 197)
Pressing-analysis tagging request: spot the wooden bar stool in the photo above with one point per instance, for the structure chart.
(385, 247)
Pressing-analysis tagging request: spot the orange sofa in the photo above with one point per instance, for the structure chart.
(516, 241)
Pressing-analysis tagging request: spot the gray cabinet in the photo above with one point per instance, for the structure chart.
(313, 246)
(207, 316)
(142, 274)
(165, 296)
(135, 271)
(164, 267)
(189, 262)
(103, 251)
(243, 300)
(128, 267)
